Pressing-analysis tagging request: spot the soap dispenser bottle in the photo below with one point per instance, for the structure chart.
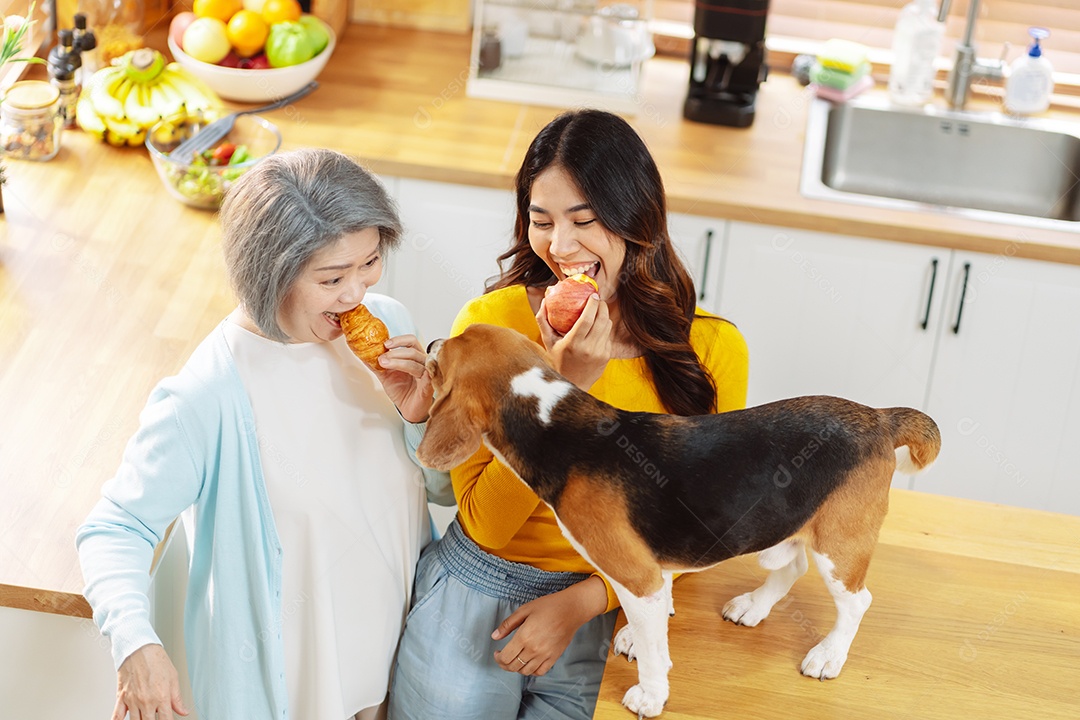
(1031, 78)
(916, 42)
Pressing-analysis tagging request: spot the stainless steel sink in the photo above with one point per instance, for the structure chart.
(981, 165)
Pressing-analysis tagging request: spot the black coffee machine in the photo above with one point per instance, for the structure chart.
(727, 61)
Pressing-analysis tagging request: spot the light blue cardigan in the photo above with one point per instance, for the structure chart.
(197, 446)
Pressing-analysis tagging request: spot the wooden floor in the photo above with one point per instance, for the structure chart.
(952, 633)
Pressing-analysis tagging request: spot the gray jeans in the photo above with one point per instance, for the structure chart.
(445, 665)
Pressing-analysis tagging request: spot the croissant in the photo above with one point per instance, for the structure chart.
(365, 334)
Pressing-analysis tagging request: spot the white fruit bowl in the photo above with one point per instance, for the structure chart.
(255, 85)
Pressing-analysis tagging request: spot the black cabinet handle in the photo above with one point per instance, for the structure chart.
(930, 295)
(705, 265)
(963, 294)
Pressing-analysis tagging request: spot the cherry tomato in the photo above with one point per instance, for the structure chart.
(222, 153)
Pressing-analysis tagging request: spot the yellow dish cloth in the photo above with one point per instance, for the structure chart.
(843, 55)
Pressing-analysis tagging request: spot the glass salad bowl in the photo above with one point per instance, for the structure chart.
(203, 180)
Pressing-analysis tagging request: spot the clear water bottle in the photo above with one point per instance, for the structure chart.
(916, 42)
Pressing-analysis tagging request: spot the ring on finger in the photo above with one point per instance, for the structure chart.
(523, 663)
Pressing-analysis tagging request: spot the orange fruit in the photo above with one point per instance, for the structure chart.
(220, 9)
(275, 11)
(247, 32)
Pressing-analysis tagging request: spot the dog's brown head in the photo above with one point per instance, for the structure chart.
(471, 373)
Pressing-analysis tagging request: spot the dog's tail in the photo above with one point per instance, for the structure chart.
(916, 437)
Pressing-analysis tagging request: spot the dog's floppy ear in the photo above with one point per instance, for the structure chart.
(452, 435)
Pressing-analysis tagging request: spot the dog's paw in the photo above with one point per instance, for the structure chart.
(824, 661)
(624, 643)
(646, 704)
(742, 610)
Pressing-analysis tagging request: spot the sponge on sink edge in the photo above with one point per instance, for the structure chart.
(843, 55)
(840, 80)
(841, 96)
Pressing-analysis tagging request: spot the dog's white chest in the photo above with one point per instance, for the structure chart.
(532, 383)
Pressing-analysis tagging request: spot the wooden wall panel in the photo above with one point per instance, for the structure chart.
(449, 15)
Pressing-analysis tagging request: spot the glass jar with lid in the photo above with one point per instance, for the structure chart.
(30, 121)
(117, 26)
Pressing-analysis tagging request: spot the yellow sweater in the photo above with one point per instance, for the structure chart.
(498, 511)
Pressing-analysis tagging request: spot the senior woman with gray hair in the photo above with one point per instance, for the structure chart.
(290, 463)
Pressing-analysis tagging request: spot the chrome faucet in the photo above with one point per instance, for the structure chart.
(966, 65)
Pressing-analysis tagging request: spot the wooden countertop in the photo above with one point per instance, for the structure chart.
(107, 283)
(974, 615)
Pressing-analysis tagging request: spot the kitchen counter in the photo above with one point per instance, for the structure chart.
(974, 615)
(395, 99)
(107, 283)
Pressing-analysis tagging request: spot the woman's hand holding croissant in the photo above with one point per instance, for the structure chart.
(406, 380)
(398, 362)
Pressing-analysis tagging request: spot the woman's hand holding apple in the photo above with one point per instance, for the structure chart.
(580, 352)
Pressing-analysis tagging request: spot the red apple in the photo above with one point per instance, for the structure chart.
(232, 60)
(566, 300)
(255, 62)
(178, 25)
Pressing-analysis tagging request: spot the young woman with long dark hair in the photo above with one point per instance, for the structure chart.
(508, 621)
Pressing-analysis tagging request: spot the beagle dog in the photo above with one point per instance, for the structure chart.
(643, 496)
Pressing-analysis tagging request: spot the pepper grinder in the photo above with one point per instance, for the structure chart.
(63, 63)
(490, 49)
(86, 46)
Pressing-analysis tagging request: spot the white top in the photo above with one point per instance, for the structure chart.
(350, 512)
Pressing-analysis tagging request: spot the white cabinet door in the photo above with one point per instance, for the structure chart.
(1006, 384)
(833, 315)
(699, 242)
(390, 183)
(54, 667)
(453, 235)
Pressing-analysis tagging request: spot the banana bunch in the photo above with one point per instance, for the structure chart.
(119, 103)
